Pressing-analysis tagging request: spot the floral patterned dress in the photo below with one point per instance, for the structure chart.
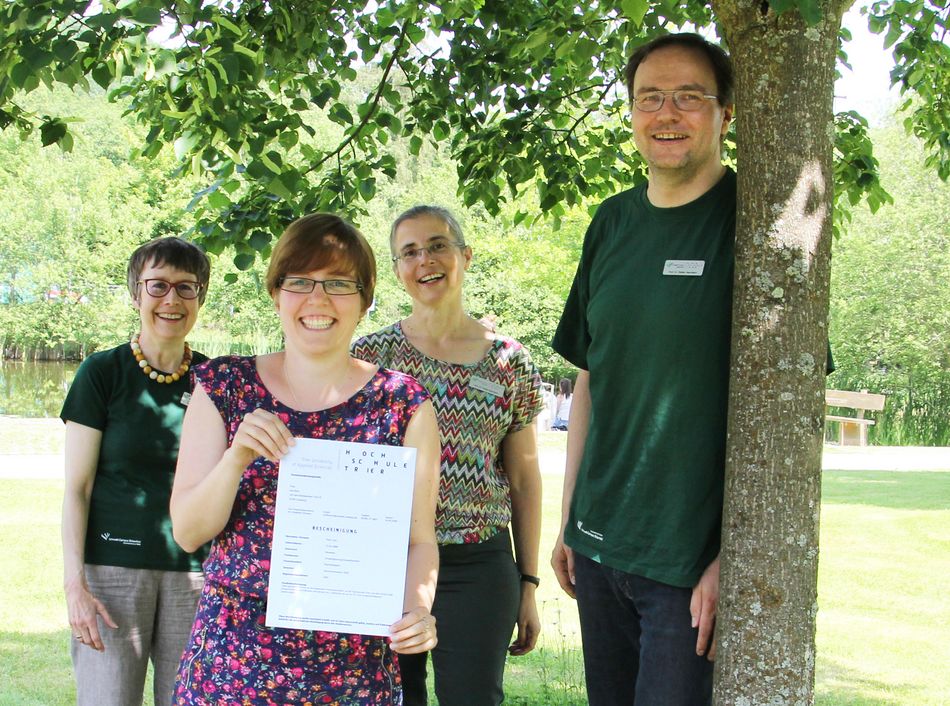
(232, 657)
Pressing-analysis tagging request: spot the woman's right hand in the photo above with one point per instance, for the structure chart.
(84, 610)
(261, 433)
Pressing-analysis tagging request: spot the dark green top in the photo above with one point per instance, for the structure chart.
(648, 498)
(140, 421)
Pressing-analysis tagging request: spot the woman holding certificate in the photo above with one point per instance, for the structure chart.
(486, 393)
(243, 418)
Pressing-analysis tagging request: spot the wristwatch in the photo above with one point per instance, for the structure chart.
(531, 579)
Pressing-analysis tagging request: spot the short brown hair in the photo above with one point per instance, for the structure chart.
(318, 241)
(718, 59)
(174, 252)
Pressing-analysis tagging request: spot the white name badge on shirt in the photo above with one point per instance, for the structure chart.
(684, 268)
(492, 388)
(185, 399)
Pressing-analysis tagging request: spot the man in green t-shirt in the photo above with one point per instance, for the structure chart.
(648, 323)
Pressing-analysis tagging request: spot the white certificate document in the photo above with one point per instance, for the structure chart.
(341, 537)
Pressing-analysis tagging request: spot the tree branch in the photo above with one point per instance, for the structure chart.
(375, 104)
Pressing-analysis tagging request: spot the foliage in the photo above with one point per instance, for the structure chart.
(889, 320)
(525, 96)
(917, 29)
(71, 221)
(93, 198)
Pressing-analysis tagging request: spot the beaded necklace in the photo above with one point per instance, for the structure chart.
(153, 374)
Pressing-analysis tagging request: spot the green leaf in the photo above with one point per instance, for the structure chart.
(104, 20)
(415, 145)
(288, 139)
(218, 201)
(219, 67)
(241, 49)
(21, 73)
(810, 10)
(272, 161)
(228, 25)
(781, 6)
(635, 10)
(185, 143)
(340, 114)
(278, 188)
(212, 84)
(367, 188)
(65, 50)
(244, 261)
(259, 240)
(102, 75)
(148, 16)
(52, 131)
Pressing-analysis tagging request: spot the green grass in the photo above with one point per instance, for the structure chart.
(882, 637)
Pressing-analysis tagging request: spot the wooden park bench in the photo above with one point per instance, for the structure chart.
(853, 431)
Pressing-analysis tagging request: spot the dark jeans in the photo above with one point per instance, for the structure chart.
(639, 646)
(476, 608)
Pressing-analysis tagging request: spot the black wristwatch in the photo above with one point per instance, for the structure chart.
(531, 579)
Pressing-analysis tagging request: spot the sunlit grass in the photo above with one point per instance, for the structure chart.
(885, 553)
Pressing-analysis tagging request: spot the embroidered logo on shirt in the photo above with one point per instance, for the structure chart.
(107, 536)
(590, 533)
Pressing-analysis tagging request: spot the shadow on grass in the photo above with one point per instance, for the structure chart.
(36, 669)
(838, 685)
(901, 490)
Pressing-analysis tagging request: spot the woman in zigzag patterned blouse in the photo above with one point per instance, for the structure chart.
(487, 393)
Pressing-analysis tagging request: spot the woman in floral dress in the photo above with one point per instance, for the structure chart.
(244, 415)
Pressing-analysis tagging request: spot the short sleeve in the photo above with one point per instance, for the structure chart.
(527, 401)
(215, 378)
(416, 395)
(87, 401)
(572, 336)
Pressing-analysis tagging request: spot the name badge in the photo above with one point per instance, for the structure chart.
(492, 388)
(684, 268)
(185, 398)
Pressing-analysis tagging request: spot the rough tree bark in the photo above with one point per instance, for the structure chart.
(784, 121)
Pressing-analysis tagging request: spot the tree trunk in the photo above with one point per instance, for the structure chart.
(784, 121)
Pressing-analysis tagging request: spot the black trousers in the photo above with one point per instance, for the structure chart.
(476, 609)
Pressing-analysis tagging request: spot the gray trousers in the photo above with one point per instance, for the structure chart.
(154, 611)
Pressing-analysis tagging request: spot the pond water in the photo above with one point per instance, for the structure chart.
(30, 389)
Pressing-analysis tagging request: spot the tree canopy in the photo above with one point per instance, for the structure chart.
(526, 95)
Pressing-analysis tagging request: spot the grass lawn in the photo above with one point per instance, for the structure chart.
(882, 624)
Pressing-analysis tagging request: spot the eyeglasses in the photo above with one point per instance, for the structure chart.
(436, 249)
(158, 288)
(333, 287)
(687, 101)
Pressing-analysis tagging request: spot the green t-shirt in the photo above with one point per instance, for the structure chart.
(649, 316)
(140, 421)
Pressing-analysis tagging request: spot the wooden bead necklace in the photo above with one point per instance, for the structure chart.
(154, 374)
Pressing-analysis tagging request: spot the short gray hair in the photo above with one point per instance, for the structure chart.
(443, 214)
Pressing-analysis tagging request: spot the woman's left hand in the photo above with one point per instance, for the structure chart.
(529, 625)
(414, 632)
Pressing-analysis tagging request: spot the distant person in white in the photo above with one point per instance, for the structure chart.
(563, 413)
